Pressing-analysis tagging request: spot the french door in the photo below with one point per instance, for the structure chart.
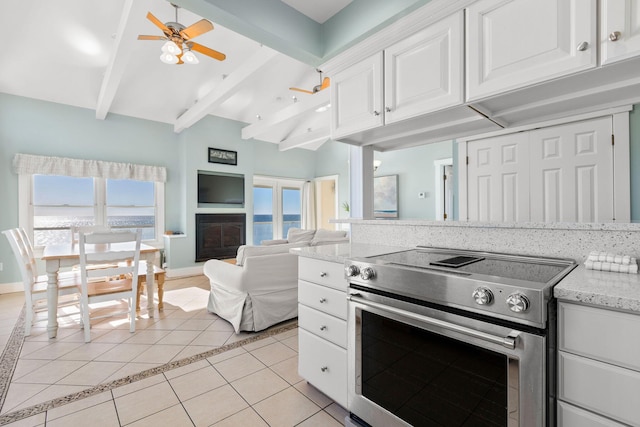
(277, 207)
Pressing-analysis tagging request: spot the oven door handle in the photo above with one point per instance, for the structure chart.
(509, 341)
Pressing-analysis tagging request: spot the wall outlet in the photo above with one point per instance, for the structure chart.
(422, 195)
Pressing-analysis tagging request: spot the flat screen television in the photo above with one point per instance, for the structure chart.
(220, 188)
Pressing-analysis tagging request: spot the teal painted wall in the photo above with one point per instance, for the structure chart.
(37, 127)
(333, 159)
(416, 173)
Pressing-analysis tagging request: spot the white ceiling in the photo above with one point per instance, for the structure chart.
(85, 53)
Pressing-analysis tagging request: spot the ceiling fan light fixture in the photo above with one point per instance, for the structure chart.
(172, 48)
(168, 58)
(190, 58)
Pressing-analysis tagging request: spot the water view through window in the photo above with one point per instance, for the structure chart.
(60, 202)
(263, 216)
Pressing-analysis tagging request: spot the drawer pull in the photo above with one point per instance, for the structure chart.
(323, 328)
(323, 300)
(324, 369)
(323, 274)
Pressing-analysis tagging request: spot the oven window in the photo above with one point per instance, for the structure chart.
(430, 380)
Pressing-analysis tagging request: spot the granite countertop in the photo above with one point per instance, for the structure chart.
(343, 251)
(609, 290)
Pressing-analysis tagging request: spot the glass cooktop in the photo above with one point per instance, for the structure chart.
(532, 269)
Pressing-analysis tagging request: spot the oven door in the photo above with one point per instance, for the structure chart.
(414, 365)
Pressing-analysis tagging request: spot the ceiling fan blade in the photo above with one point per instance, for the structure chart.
(151, 37)
(207, 51)
(326, 82)
(158, 23)
(301, 90)
(200, 27)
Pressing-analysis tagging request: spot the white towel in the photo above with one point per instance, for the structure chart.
(630, 267)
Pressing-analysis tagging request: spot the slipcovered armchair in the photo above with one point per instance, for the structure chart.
(261, 288)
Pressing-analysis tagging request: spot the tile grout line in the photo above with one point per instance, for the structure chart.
(42, 407)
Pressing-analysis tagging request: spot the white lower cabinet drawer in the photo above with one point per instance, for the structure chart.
(322, 298)
(602, 388)
(321, 324)
(325, 273)
(323, 365)
(571, 416)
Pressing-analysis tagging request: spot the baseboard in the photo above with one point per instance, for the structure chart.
(8, 288)
(173, 273)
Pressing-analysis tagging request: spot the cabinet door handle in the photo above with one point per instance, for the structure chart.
(323, 274)
(375, 113)
(323, 328)
(583, 46)
(323, 300)
(387, 109)
(324, 369)
(614, 36)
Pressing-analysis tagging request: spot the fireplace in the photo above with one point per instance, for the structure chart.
(219, 235)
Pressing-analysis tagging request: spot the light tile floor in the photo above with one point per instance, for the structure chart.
(254, 383)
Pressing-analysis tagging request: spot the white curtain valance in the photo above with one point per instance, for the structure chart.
(44, 165)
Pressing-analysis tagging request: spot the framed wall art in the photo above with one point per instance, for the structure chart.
(385, 197)
(226, 157)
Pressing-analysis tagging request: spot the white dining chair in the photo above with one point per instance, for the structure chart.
(118, 281)
(35, 286)
(77, 229)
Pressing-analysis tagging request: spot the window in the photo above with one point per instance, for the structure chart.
(277, 206)
(55, 203)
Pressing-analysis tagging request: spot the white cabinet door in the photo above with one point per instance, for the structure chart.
(423, 73)
(619, 30)
(356, 98)
(498, 179)
(516, 43)
(572, 173)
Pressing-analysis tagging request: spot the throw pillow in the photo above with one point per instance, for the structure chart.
(298, 235)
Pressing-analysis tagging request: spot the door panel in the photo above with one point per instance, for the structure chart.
(623, 17)
(572, 173)
(498, 176)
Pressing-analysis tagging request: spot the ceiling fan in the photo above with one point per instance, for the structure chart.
(179, 48)
(324, 83)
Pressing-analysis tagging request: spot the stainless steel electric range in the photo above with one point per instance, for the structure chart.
(445, 337)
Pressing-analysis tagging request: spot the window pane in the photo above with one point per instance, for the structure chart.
(130, 205)
(290, 210)
(128, 192)
(262, 214)
(58, 203)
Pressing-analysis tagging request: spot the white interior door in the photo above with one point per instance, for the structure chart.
(498, 179)
(572, 172)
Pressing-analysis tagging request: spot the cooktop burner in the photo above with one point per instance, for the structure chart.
(530, 269)
(513, 287)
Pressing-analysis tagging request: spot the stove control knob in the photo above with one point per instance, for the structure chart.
(518, 302)
(367, 273)
(352, 271)
(483, 296)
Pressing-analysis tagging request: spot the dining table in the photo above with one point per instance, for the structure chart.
(68, 254)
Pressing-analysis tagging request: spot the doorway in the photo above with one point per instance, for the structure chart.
(444, 189)
(326, 201)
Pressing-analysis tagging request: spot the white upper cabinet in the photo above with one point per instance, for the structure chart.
(619, 30)
(356, 98)
(424, 72)
(420, 74)
(515, 43)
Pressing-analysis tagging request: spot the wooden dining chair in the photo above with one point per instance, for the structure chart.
(118, 281)
(35, 286)
(77, 229)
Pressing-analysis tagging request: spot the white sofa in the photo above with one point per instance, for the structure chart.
(261, 288)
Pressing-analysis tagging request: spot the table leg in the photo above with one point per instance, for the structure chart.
(150, 284)
(52, 297)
